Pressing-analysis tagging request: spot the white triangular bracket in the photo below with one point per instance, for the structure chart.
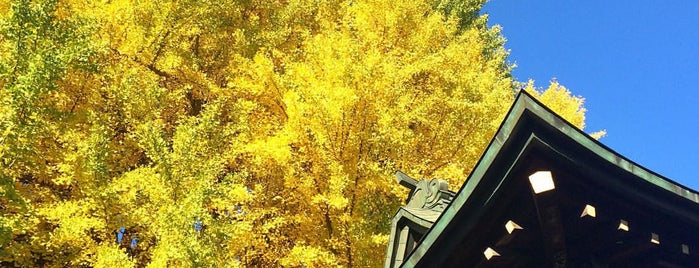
(512, 226)
(655, 238)
(589, 211)
(490, 253)
(623, 225)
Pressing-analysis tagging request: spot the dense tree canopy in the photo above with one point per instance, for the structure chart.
(236, 133)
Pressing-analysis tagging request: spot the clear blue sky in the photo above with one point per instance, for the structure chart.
(635, 62)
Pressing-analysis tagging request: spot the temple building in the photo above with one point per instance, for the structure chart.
(545, 194)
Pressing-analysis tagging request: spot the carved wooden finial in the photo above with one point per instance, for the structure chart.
(426, 194)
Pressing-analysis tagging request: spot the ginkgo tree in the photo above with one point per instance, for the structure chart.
(236, 133)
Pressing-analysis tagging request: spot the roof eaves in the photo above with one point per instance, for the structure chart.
(525, 102)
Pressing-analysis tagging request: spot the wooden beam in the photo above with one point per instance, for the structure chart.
(549, 216)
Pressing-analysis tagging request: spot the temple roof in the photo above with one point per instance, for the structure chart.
(588, 175)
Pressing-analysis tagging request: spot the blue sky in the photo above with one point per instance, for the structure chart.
(635, 62)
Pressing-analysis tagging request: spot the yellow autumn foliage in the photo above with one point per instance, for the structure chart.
(236, 133)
